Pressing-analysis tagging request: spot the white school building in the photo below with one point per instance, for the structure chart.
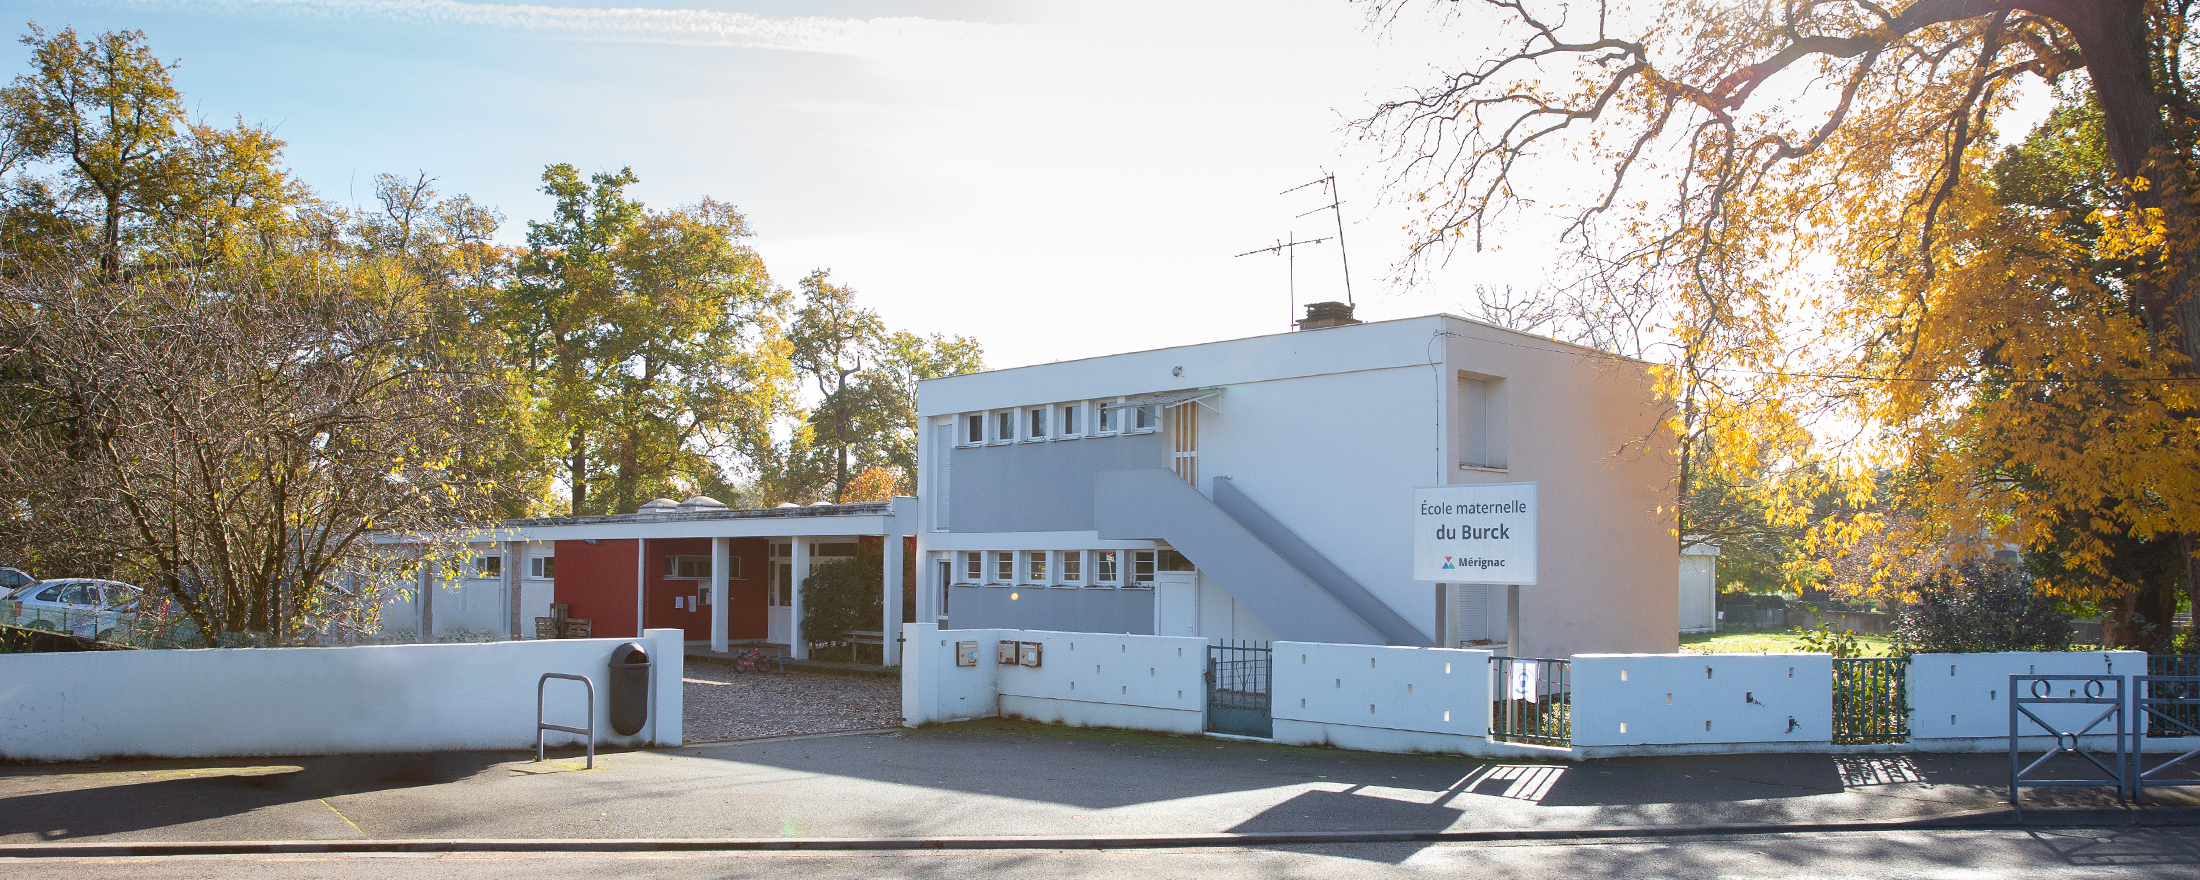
(1262, 489)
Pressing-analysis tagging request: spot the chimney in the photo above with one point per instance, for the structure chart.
(1327, 314)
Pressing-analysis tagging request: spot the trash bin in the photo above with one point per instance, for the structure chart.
(629, 688)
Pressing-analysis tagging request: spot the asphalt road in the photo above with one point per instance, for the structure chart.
(969, 780)
(2122, 853)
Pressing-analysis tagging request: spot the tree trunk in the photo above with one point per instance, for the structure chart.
(2140, 619)
(577, 471)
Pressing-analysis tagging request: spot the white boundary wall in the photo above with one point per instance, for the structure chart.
(1397, 699)
(222, 702)
(1734, 701)
(1960, 702)
(1083, 679)
(1382, 699)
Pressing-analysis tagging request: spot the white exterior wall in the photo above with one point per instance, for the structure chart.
(1680, 699)
(1330, 431)
(1966, 696)
(1585, 428)
(1335, 458)
(1380, 698)
(226, 702)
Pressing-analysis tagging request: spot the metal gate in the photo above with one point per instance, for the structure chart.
(2165, 703)
(2083, 693)
(1870, 700)
(1535, 700)
(1237, 689)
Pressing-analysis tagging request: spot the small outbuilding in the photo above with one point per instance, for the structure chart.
(725, 576)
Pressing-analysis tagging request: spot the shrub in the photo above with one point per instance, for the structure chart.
(842, 595)
(1981, 606)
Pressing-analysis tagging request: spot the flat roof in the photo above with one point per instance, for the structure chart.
(817, 520)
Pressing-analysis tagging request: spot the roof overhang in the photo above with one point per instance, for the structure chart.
(897, 517)
(1169, 399)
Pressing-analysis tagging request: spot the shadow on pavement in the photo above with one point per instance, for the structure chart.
(204, 792)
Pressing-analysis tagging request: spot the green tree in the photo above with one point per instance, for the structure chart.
(651, 340)
(133, 182)
(866, 379)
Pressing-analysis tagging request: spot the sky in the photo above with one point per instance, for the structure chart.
(1058, 180)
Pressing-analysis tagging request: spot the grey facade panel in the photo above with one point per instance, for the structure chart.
(1155, 504)
(1040, 608)
(1042, 487)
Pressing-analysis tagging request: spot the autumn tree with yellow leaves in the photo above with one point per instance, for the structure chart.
(1822, 195)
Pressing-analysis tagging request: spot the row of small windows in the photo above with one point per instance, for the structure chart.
(538, 567)
(1058, 421)
(1133, 569)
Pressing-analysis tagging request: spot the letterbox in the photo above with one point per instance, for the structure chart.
(1027, 653)
(1006, 656)
(966, 653)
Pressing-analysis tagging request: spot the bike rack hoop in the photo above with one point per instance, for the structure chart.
(541, 725)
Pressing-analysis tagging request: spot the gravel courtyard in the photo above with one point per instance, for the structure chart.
(723, 706)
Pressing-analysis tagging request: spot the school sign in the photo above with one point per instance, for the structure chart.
(1475, 534)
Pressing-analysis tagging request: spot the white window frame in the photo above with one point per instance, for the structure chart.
(1101, 427)
(673, 563)
(1069, 420)
(1038, 567)
(543, 567)
(1033, 420)
(970, 558)
(1152, 560)
(1114, 577)
(487, 566)
(993, 573)
(995, 419)
(1066, 560)
(962, 429)
(1137, 411)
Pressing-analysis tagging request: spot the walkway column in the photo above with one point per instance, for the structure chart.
(427, 596)
(798, 647)
(721, 563)
(641, 581)
(889, 648)
(515, 576)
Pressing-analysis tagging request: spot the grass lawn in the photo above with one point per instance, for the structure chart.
(1768, 643)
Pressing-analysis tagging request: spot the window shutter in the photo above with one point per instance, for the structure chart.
(1474, 422)
(942, 447)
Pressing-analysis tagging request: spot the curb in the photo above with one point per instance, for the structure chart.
(1985, 820)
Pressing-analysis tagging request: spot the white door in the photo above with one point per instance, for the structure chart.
(1176, 603)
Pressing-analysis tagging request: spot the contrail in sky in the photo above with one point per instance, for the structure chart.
(693, 27)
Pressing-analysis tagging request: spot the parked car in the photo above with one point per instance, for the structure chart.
(13, 579)
(83, 607)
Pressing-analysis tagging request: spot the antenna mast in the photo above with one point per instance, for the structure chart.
(1328, 181)
(1289, 250)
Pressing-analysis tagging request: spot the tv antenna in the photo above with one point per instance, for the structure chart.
(1328, 183)
(1290, 251)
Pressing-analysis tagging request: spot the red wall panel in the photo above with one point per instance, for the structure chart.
(596, 581)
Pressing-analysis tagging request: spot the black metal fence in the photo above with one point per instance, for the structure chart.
(1534, 700)
(2173, 717)
(1871, 702)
